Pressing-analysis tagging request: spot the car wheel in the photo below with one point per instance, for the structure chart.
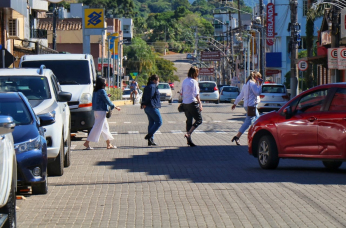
(10, 207)
(267, 153)
(67, 159)
(56, 168)
(217, 102)
(171, 100)
(40, 188)
(332, 165)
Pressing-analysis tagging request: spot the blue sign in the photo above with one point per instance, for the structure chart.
(273, 59)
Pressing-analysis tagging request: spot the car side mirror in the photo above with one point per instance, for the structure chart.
(287, 112)
(6, 125)
(64, 96)
(46, 120)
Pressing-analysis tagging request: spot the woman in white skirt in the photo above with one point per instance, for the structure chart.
(100, 103)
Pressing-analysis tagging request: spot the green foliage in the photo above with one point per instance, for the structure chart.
(165, 70)
(117, 8)
(180, 3)
(115, 92)
(288, 80)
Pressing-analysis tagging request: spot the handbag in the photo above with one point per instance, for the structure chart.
(251, 110)
(181, 108)
(109, 113)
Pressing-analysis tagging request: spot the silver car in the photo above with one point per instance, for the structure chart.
(228, 93)
(208, 91)
(273, 97)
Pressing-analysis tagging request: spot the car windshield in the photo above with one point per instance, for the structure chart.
(17, 110)
(126, 92)
(68, 72)
(230, 89)
(34, 88)
(273, 89)
(163, 86)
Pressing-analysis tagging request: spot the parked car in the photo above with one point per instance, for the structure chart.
(8, 173)
(45, 95)
(189, 56)
(165, 92)
(209, 91)
(310, 126)
(29, 141)
(77, 75)
(273, 97)
(171, 84)
(220, 87)
(228, 93)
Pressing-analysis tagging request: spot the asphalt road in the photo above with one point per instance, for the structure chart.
(216, 184)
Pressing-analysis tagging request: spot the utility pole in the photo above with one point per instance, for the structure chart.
(294, 52)
(334, 40)
(261, 41)
(54, 26)
(241, 44)
(231, 43)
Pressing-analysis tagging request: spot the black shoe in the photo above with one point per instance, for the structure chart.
(147, 136)
(151, 142)
(189, 141)
(236, 139)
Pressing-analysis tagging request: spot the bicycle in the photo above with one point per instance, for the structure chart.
(134, 97)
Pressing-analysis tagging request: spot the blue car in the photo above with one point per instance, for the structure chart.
(29, 142)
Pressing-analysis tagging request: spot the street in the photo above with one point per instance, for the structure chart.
(216, 184)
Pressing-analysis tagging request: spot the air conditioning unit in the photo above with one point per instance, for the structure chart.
(13, 29)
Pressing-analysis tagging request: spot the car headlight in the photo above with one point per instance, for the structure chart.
(168, 94)
(85, 100)
(32, 144)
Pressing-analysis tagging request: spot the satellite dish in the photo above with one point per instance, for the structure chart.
(54, 1)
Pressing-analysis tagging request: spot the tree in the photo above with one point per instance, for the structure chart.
(179, 3)
(166, 70)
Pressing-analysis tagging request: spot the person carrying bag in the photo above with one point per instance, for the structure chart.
(250, 93)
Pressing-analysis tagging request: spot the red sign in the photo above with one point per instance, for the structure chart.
(270, 24)
(271, 72)
(303, 65)
(99, 66)
(210, 56)
(206, 71)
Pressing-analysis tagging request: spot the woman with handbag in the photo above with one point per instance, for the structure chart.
(100, 103)
(151, 104)
(192, 104)
(250, 92)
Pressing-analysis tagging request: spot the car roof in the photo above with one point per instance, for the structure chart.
(24, 72)
(57, 57)
(10, 95)
(207, 82)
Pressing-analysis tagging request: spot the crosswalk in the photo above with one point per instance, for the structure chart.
(175, 122)
(175, 132)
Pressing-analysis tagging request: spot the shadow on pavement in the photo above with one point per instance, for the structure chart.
(224, 164)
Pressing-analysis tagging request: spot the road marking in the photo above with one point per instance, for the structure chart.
(73, 146)
(221, 132)
(112, 122)
(217, 121)
(171, 121)
(232, 121)
(114, 133)
(199, 132)
(133, 132)
(158, 132)
(141, 122)
(127, 122)
(176, 131)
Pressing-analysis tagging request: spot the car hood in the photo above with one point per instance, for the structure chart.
(165, 91)
(77, 90)
(43, 106)
(24, 133)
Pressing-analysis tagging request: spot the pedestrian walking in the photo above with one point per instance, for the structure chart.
(151, 104)
(191, 103)
(250, 94)
(100, 103)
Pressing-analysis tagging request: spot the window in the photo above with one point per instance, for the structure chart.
(312, 102)
(230, 89)
(54, 87)
(305, 8)
(339, 100)
(163, 86)
(17, 110)
(273, 89)
(34, 88)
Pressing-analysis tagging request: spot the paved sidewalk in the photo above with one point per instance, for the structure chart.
(216, 184)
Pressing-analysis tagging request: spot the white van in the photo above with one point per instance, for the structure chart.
(76, 74)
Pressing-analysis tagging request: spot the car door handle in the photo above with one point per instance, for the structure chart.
(312, 119)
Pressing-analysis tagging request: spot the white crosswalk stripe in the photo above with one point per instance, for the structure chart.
(114, 133)
(220, 132)
(176, 131)
(199, 132)
(127, 122)
(158, 133)
(73, 147)
(112, 122)
(133, 132)
(171, 121)
(217, 121)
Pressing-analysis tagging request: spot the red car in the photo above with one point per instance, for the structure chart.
(171, 84)
(310, 126)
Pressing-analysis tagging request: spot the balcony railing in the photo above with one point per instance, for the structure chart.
(38, 34)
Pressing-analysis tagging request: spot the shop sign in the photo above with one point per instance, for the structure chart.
(333, 58)
(270, 24)
(206, 71)
(343, 24)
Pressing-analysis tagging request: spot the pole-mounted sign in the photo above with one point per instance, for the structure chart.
(270, 24)
(93, 18)
(303, 65)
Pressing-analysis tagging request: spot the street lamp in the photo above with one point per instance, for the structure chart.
(54, 21)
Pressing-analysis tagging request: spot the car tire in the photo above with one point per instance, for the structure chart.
(170, 101)
(10, 207)
(40, 188)
(67, 159)
(332, 165)
(267, 152)
(217, 102)
(56, 168)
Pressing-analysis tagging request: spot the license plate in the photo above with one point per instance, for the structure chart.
(206, 95)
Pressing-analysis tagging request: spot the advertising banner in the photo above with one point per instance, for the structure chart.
(270, 24)
(343, 24)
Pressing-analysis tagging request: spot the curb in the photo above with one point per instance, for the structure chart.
(122, 102)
